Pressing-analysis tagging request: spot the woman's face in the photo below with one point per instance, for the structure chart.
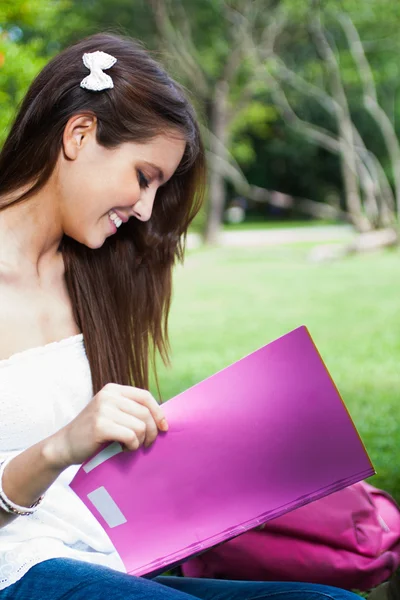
(99, 188)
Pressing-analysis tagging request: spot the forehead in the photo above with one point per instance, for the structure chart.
(165, 150)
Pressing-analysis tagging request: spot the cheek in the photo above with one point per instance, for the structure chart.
(81, 211)
(86, 195)
(90, 189)
(112, 187)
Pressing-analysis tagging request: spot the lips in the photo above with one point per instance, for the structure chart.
(123, 217)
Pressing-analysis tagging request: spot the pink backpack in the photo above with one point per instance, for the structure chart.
(350, 539)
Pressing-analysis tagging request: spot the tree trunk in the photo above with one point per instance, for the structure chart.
(216, 182)
(364, 242)
(345, 128)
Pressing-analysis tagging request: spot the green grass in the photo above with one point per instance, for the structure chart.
(260, 222)
(229, 302)
(266, 224)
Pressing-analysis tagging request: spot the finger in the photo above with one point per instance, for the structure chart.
(135, 418)
(114, 403)
(146, 399)
(110, 410)
(139, 396)
(124, 435)
(140, 412)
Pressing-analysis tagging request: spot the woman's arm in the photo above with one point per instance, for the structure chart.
(28, 475)
(117, 413)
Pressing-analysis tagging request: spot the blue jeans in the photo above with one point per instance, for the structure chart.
(66, 579)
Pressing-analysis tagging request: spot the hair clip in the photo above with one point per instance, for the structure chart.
(96, 62)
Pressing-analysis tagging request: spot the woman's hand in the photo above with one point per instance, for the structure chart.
(118, 413)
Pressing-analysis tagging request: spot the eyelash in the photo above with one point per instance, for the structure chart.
(143, 181)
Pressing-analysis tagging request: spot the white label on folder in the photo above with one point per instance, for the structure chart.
(101, 457)
(107, 507)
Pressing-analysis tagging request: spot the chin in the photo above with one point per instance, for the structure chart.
(95, 245)
(91, 237)
(92, 243)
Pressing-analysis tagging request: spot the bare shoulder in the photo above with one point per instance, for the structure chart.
(13, 312)
(33, 314)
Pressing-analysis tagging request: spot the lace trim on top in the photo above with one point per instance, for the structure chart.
(39, 350)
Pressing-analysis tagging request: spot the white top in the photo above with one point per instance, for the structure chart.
(41, 390)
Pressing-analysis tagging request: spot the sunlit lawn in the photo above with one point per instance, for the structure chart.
(262, 223)
(228, 302)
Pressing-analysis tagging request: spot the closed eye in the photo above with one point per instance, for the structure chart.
(143, 181)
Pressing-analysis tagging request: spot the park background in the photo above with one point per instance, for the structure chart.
(300, 111)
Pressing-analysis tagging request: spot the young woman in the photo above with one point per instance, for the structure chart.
(101, 174)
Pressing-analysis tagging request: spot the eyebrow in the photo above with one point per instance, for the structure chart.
(160, 174)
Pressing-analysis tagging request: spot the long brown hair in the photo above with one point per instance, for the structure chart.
(121, 292)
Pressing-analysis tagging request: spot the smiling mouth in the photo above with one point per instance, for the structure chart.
(115, 218)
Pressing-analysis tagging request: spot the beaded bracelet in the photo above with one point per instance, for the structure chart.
(7, 504)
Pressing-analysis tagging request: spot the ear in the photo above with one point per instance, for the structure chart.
(77, 132)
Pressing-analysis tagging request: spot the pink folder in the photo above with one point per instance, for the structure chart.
(264, 436)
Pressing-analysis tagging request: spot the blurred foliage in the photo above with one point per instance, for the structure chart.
(13, 80)
(254, 120)
(26, 43)
(377, 22)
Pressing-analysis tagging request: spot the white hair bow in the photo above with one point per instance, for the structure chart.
(96, 62)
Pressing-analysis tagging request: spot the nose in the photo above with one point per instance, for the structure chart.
(143, 208)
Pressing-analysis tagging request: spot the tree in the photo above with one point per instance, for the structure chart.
(369, 198)
(250, 41)
(26, 43)
(209, 51)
